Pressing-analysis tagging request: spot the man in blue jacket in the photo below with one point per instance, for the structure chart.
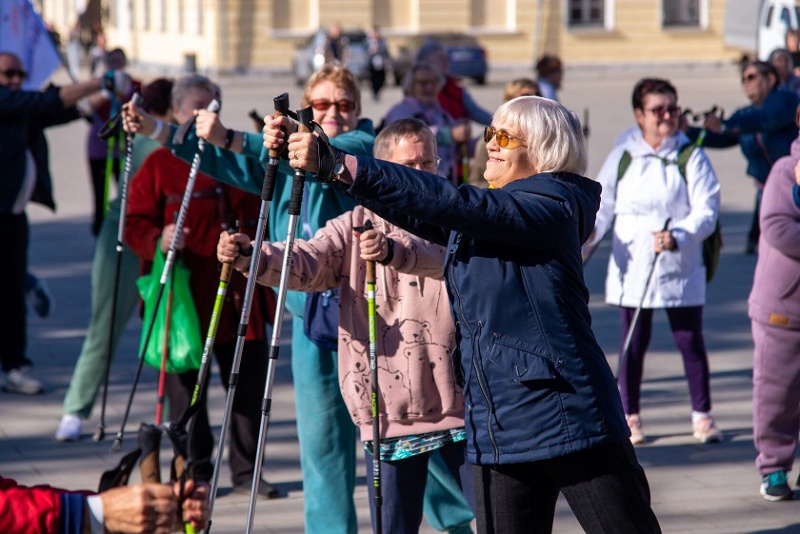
(764, 130)
(25, 176)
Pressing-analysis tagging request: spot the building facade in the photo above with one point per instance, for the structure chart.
(261, 35)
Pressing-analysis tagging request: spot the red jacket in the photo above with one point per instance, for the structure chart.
(155, 197)
(39, 509)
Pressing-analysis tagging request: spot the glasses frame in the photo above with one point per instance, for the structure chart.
(342, 106)
(674, 110)
(751, 77)
(10, 73)
(504, 139)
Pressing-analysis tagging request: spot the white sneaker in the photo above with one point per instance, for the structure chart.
(69, 429)
(20, 381)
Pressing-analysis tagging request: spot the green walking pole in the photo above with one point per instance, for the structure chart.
(375, 394)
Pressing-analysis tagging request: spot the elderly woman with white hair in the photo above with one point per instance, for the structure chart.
(543, 412)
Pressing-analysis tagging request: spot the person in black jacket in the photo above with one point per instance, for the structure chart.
(543, 412)
(25, 176)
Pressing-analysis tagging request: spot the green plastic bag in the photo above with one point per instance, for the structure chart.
(185, 340)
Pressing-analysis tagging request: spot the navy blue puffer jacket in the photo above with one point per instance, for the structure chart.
(537, 385)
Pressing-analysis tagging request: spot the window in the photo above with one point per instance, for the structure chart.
(146, 15)
(586, 13)
(681, 12)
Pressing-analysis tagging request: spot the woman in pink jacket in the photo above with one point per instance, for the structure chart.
(421, 409)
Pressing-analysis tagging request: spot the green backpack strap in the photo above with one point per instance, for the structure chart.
(684, 154)
(712, 245)
(624, 163)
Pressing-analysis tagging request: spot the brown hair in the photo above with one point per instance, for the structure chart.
(649, 86)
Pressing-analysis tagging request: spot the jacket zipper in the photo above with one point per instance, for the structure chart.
(475, 370)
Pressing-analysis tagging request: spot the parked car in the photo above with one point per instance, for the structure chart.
(467, 57)
(310, 56)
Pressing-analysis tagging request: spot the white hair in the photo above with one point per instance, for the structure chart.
(552, 132)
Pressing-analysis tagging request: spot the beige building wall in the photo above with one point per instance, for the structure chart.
(261, 35)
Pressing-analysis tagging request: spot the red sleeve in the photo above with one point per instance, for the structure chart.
(25, 510)
(144, 221)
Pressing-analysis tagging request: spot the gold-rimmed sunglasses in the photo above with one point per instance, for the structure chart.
(504, 139)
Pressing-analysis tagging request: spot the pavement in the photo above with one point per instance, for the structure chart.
(695, 488)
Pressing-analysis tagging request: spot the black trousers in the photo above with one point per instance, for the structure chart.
(245, 420)
(14, 242)
(605, 487)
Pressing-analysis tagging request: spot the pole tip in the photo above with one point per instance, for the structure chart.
(99, 434)
(117, 445)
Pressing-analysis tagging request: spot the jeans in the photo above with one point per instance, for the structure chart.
(403, 486)
(605, 487)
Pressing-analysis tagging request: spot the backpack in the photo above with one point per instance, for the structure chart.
(712, 245)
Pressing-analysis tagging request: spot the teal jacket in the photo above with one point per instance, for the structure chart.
(246, 171)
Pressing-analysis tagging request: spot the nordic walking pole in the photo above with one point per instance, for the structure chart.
(100, 433)
(629, 335)
(208, 347)
(304, 118)
(375, 396)
(168, 263)
(177, 430)
(267, 193)
(162, 372)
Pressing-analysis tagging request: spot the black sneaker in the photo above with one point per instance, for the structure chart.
(265, 489)
(774, 487)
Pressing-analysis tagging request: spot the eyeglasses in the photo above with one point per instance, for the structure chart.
(427, 165)
(504, 139)
(10, 73)
(750, 77)
(342, 106)
(659, 111)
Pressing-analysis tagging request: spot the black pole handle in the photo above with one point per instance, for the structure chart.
(304, 118)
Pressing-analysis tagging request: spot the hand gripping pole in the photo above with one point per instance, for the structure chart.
(267, 193)
(168, 263)
(304, 118)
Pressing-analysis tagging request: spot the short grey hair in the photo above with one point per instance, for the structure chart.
(391, 135)
(192, 81)
(552, 132)
(408, 79)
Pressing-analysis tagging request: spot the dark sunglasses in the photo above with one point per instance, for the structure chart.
(10, 73)
(750, 77)
(342, 106)
(661, 110)
(504, 139)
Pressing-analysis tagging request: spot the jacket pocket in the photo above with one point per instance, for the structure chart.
(521, 361)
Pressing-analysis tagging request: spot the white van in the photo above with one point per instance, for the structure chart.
(759, 27)
(775, 18)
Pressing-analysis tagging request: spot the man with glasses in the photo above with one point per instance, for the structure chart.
(25, 176)
(764, 130)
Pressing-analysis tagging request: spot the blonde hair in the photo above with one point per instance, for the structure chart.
(338, 74)
(552, 132)
(515, 87)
